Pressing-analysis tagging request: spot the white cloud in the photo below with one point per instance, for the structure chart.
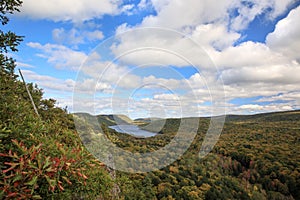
(91, 85)
(285, 38)
(75, 36)
(109, 73)
(49, 83)
(211, 24)
(69, 10)
(60, 56)
(24, 65)
(248, 69)
(249, 54)
(248, 10)
(187, 13)
(214, 35)
(170, 84)
(166, 97)
(162, 46)
(279, 7)
(255, 108)
(128, 9)
(143, 4)
(237, 14)
(275, 74)
(292, 97)
(210, 30)
(94, 35)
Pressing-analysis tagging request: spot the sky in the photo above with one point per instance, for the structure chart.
(162, 58)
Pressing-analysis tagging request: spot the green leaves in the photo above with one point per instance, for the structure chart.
(9, 40)
(32, 181)
(8, 7)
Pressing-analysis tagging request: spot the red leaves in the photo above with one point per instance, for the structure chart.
(56, 162)
(13, 165)
(30, 168)
(12, 194)
(16, 184)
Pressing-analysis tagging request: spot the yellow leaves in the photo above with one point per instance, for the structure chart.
(205, 187)
(193, 194)
(174, 169)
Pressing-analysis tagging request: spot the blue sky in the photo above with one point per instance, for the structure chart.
(150, 58)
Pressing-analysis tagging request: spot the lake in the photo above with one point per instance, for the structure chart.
(132, 130)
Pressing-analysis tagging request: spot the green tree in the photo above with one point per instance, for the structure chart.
(8, 40)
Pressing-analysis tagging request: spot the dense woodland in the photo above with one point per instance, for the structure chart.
(42, 156)
(256, 157)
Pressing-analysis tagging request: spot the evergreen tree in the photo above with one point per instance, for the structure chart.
(8, 40)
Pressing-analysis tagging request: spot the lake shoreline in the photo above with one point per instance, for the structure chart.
(132, 130)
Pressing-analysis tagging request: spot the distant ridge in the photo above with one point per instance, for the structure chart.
(111, 119)
(147, 120)
(293, 115)
(117, 119)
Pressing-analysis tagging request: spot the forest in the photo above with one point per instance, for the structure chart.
(42, 155)
(256, 157)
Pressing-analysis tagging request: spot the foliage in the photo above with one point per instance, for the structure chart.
(8, 40)
(41, 157)
(256, 157)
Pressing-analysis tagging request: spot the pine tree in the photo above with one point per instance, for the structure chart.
(8, 40)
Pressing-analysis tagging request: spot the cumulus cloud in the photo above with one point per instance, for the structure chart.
(236, 14)
(275, 74)
(255, 108)
(91, 85)
(75, 37)
(170, 84)
(159, 45)
(211, 33)
(285, 38)
(48, 82)
(143, 4)
(249, 10)
(215, 32)
(214, 35)
(60, 56)
(68, 37)
(247, 54)
(111, 73)
(291, 97)
(192, 13)
(69, 10)
(94, 35)
(278, 7)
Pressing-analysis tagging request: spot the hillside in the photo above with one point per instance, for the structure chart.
(42, 156)
(256, 157)
(117, 119)
(266, 117)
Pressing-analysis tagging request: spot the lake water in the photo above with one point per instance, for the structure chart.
(132, 130)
